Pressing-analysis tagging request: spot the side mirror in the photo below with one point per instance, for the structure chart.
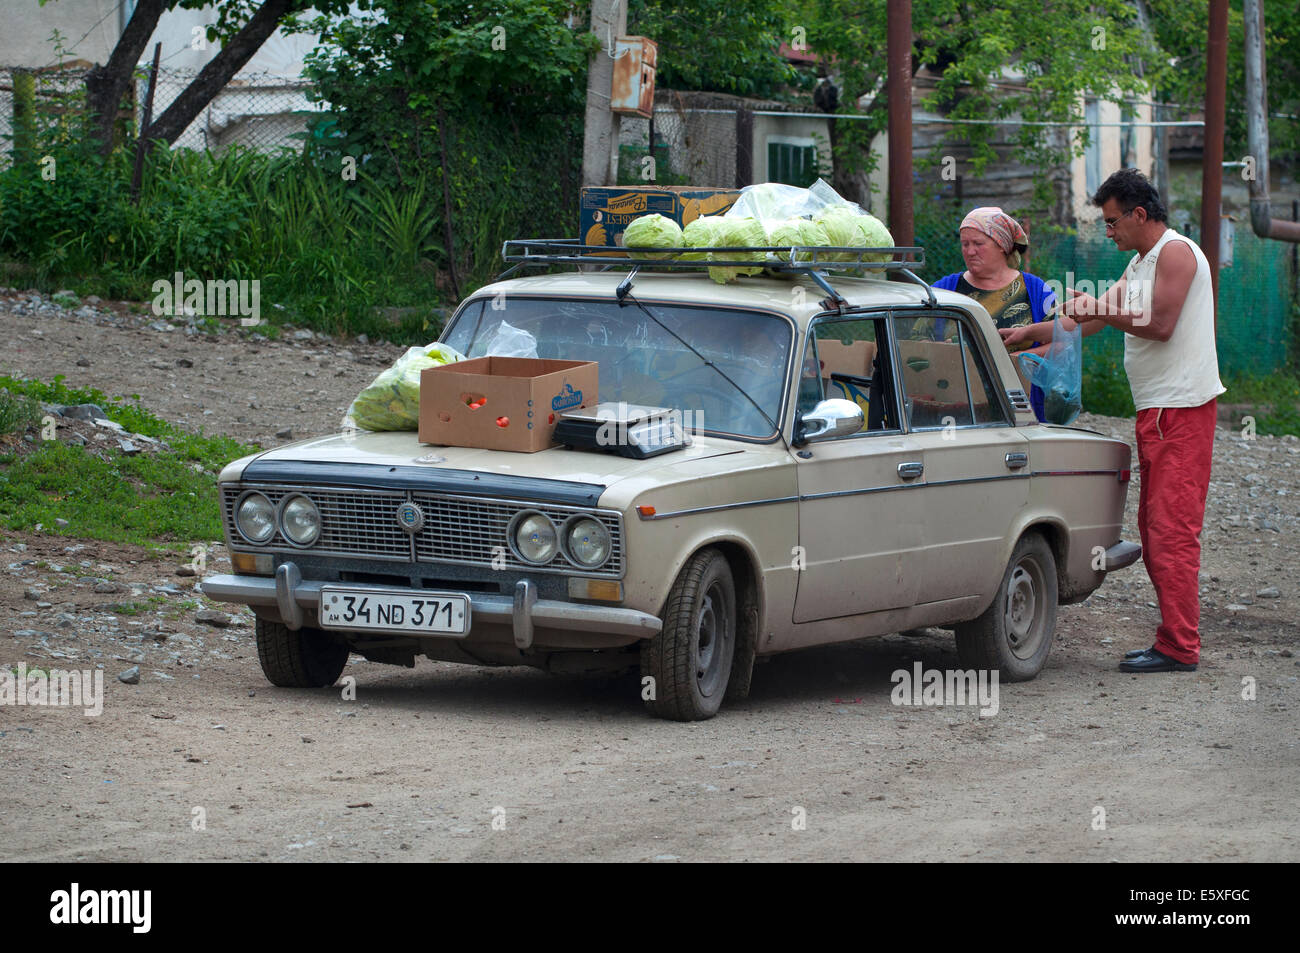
(831, 418)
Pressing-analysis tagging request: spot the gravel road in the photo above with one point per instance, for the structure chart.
(201, 759)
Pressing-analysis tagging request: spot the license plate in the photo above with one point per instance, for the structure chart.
(443, 613)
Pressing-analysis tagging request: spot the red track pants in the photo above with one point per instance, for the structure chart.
(1175, 447)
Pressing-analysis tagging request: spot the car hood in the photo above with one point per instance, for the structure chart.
(384, 459)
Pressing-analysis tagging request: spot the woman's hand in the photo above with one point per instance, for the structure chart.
(1016, 338)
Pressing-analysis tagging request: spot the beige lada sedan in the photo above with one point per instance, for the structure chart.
(800, 461)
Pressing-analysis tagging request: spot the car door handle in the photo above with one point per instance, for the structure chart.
(910, 471)
(1017, 460)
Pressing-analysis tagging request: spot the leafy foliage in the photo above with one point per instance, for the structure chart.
(717, 45)
(476, 110)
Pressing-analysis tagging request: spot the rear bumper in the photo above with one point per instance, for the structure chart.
(1122, 554)
(290, 594)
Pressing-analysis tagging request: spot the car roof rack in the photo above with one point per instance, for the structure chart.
(811, 260)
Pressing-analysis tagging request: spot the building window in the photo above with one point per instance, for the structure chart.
(792, 160)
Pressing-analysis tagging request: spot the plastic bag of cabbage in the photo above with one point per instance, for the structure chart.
(782, 207)
(392, 401)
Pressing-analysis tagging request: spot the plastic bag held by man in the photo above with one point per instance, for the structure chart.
(392, 401)
(1059, 374)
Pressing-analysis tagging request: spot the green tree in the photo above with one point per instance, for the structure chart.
(1181, 29)
(486, 98)
(242, 26)
(718, 45)
(1061, 53)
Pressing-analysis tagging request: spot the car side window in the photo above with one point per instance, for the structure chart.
(840, 361)
(945, 380)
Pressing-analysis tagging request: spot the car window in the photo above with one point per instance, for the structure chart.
(945, 380)
(724, 369)
(840, 361)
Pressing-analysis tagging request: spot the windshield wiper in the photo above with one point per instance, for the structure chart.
(686, 344)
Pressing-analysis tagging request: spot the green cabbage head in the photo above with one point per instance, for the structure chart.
(652, 231)
(798, 231)
(701, 233)
(739, 231)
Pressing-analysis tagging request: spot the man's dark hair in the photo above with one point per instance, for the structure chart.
(1132, 190)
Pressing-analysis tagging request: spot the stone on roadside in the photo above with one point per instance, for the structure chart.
(1269, 592)
(185, 571)
(212, 617)
(84, 412)
(131, 676)
(106, 585)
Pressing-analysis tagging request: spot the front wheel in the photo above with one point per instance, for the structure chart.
(1014, 634)
(301, 658)
(689, 661)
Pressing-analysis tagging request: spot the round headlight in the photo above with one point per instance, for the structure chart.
(255, 518)
(588, 541)
(536, 539)
(300, 521)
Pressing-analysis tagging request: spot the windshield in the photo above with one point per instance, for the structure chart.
(640, 361)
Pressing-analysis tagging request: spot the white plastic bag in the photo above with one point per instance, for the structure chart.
(509, 341)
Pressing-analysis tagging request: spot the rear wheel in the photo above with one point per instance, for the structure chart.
(1014, 634)
(301, 658)
(689, 660)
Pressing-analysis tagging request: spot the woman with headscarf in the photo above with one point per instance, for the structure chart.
(991, 244)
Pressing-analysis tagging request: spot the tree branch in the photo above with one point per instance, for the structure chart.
(219, 71)
(105, 85)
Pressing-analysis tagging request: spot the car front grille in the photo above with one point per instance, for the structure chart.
(474, 532)
(466, 531)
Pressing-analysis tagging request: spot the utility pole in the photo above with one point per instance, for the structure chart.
(600, 141)
(899, 83)
(1212, 161)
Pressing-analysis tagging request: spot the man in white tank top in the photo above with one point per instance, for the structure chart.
(1164, 304)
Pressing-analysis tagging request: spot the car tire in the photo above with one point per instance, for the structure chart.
(690, 658)
(1014, 634)
(302, 658)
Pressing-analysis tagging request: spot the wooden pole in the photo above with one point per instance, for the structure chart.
(141, 140)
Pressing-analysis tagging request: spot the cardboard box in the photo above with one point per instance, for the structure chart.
(522, 398)
(604, 212)
(854, 358)
(932, 370)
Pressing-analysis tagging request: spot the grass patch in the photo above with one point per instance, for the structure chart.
(1276, 399)
(17, 413)
(212, 452)
(168, 497)
(142, 499)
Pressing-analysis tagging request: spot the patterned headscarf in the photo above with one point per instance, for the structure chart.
(999, 226)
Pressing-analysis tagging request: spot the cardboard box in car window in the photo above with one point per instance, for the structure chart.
(605, 211)
(502, 403)
(839, 358)
(932, 370)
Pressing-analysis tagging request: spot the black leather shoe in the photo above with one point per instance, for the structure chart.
(1138, 653)
(1153, 661)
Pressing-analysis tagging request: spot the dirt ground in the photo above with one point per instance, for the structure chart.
(203, 760)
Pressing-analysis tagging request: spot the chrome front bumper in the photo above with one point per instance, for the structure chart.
(290, 594)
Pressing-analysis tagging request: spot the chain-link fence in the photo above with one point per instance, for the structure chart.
(259, 111)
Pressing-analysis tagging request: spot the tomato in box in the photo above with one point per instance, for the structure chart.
(502, 403)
